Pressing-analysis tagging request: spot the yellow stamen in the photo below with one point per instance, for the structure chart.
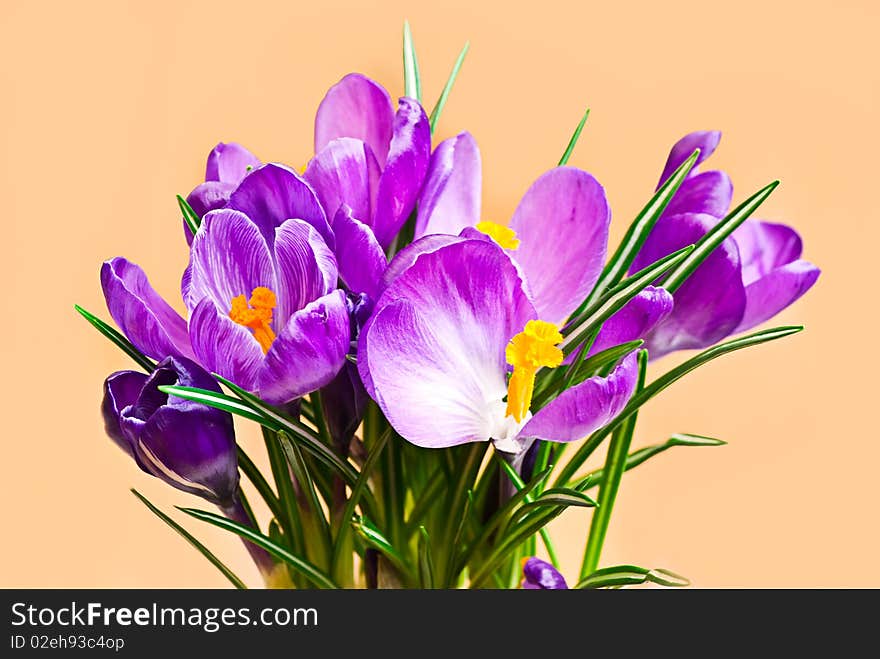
(531, 349)
(256, 315)
(504, 236)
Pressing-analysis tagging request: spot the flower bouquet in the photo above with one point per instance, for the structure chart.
(430, 384)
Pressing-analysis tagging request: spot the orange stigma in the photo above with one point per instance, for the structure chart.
(531, 349)
(256, 315)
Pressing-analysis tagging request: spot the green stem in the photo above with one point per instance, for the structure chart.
(259, 482)
(289, 519)
(615, 465)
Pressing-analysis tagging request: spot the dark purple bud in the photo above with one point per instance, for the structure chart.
(188, 445)
(540, 575)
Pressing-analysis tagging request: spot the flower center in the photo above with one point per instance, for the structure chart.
(531, 349)
(256, 315)
(504, 236)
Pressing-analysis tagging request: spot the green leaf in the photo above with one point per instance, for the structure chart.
(357, 490)
(444, 95)
(204, 551)
(282, 422)
(639, 456)
(426, 564)
(213, 399)
(520, 486)
(258, 481)
(614, 467)
(596, 363)
(616, 298)
(574, 139)
(715, 236)
(561, 496)
(193, 221)
(642, 397)
(375, 539)
(626, 575)
(315, 525)
(412, 81)
(300, 565)
(638, 231)
(121, 342)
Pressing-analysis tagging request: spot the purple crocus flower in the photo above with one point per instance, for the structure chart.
(368, 157)
(541, 575)
(752, 276)
(438, 347)
(263, 306)
(557, 237)
(227, 165)
(188, 445)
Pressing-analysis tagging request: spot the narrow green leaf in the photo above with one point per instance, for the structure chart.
(574, 139)
(204, 551)
(213, 399)
(715, 236)
(300, 565)
(520, 486)
(357, 490)
(193, 221)
(120, 341)
(616, 298)
(626, 575)
(639, 456)
(375, 539)
(444, 95)
(596, 363)
(638, 231)
(412, 81)
(426, 564)
(756, 338)
(258, 481)
(560, 496)
(282, 422)
(614, 467)
(311, 513)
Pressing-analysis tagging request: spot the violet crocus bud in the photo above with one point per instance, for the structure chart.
(188, 445)
(541, 575)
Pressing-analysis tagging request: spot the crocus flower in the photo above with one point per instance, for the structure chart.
(557, 237)
(439, 344)
(227, 165)
(188, 445)
(541, 575)
(263, 306)
(752, 276)
(368, 157)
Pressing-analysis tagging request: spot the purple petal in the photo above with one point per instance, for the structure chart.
(144, 317)
(767, 296)
(704, 140)
(562, 223)
(345, 172)
(309, 352)
(586, 407)
(223, 346)
(541, 575)
(408, 255)
(356, 107)
(450, 199)
(361, 259)
(709, 193)
(635, 319)
(765, 246)
(305, 266)
(229, 257)
(121, 389)
(404, 171)
(434, 348)
(710, 303)
(230, 163)
(273, 193)
(208, 196)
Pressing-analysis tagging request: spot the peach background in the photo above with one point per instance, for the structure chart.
(109, 108)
